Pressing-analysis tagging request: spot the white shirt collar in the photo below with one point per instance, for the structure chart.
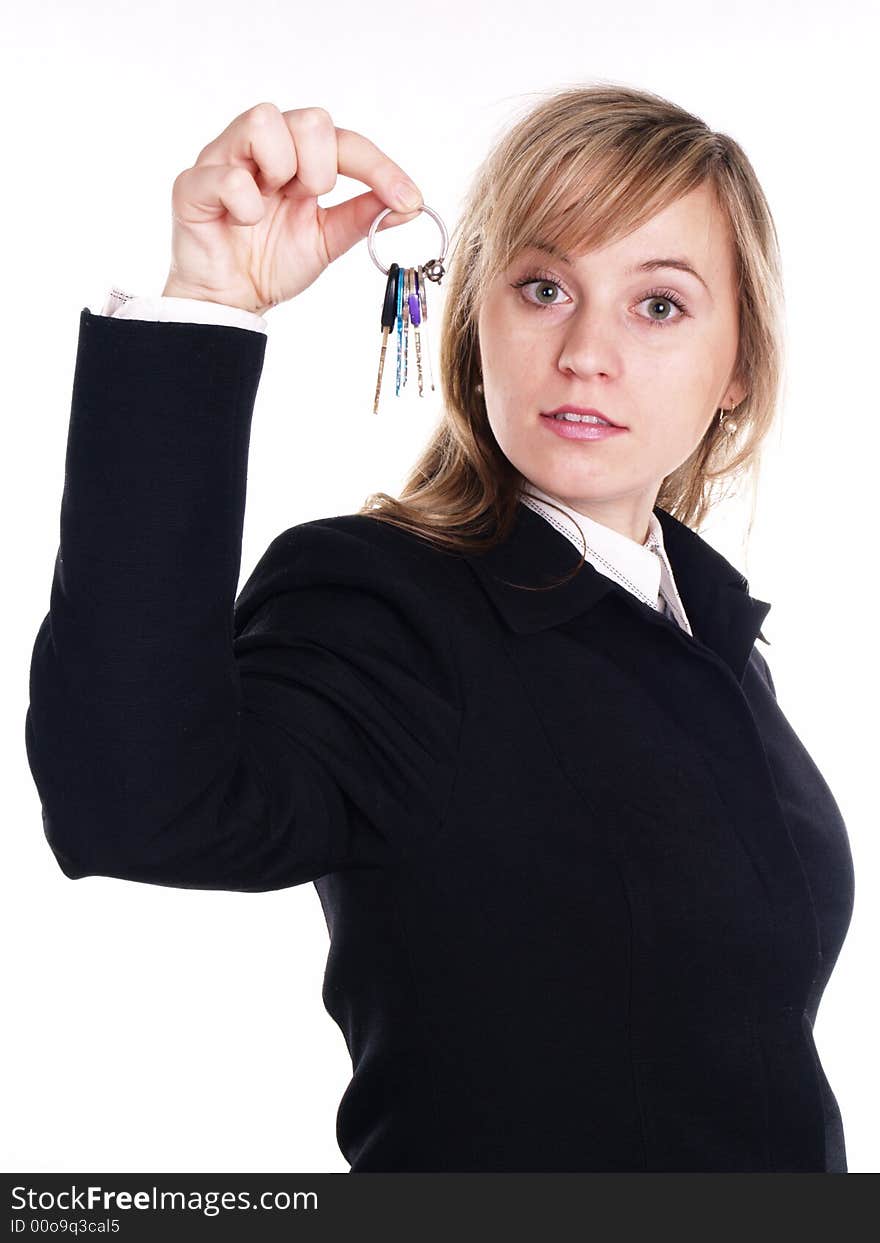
(642, 569)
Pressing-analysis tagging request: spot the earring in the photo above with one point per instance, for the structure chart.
(478, 387)
(728, 424)
(406, 303)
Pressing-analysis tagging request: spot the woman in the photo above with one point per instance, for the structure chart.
(583, 883)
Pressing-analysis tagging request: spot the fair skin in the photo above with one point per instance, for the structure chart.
(593, 337)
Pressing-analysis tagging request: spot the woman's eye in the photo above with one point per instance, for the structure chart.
(543, 286)
(547, 287)
(671, 307)
(667, 306)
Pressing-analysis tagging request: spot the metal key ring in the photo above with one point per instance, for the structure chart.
(430, 269)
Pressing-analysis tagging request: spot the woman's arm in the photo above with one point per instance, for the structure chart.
(179, 739)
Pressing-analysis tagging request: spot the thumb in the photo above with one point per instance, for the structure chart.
(349, 222)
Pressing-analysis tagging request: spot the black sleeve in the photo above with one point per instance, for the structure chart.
(179, 737)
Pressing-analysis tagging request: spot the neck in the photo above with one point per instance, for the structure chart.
(627, 517)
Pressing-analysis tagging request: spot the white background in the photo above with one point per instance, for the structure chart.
(152, 1029)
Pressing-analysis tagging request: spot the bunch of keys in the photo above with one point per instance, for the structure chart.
(405, 305)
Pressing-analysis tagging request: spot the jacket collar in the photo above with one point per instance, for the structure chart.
(715, 594)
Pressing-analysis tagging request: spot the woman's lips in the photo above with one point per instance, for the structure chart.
(600, 414)
(570, 430)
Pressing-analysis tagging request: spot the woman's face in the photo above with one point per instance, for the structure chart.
(599, 333)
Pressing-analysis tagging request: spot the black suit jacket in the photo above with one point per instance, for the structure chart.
(584, 885)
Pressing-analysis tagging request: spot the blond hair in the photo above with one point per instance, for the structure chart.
(579, 170)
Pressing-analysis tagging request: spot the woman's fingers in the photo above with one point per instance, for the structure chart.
(302, 150)
(363, 160)
(259, 141)
(347, 223)
(312, 135)
(206, 191)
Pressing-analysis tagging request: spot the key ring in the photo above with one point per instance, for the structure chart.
(431, 267)
(405, 306)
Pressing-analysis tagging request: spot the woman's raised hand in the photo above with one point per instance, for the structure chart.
(247, 228)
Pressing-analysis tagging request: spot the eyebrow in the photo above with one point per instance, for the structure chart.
(649, 265)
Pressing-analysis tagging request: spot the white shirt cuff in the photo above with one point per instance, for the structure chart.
(122, 305)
